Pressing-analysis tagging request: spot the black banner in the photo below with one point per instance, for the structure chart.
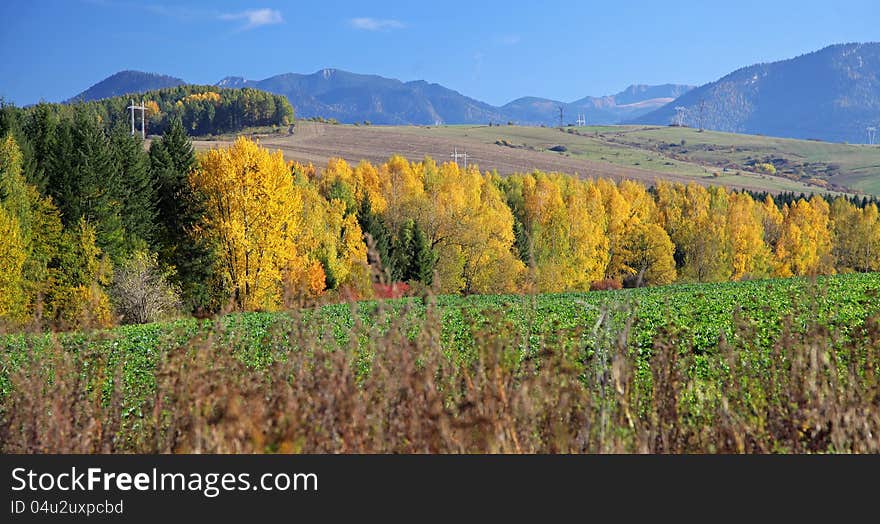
(241, 488)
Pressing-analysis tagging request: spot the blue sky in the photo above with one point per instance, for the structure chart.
(493, 51)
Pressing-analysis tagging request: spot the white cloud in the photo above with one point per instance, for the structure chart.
(375, 24)
(255, 17)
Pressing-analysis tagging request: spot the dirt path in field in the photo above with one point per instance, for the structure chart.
(316, 143)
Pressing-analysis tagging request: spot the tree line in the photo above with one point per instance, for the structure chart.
(203, 110)
(99, 229)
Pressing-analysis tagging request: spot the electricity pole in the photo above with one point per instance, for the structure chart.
(143, 109)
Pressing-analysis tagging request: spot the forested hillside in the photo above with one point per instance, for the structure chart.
(203, 110)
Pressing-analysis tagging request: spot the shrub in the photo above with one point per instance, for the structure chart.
(141, 291)
(607, 284)
(393, 290)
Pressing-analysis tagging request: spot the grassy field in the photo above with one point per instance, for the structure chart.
(164, 387)
(512, 149)
(855, 166)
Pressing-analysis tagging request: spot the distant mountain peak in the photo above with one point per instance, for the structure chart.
(232, 82)
(126, 82)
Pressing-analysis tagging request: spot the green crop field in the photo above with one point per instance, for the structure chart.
(700, 315)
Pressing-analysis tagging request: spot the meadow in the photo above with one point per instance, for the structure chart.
(784, 365)
(594, 152)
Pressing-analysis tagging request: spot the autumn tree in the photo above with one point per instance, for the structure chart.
(856, 236)
(38, 230)
(252, 211)
(12, 257)
(80, 298)
(648, 253)
(466, 220)
(640, 251)
(771, 219)
(565, 223)
(804, 246)
(750, 255)
(696, 220)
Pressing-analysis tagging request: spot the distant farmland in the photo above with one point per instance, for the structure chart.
(618, 152)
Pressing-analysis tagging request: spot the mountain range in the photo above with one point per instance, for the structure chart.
(832, 94)
(351, 97)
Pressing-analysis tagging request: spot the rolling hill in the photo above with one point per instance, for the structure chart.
(644, 153)
(832, 94)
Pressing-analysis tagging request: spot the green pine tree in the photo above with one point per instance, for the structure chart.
(371, 223)
(136, 184)
(422, 257)
(84, 181)
(401, 253)
(179, 209)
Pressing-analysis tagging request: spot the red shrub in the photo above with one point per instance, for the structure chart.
(393, 290)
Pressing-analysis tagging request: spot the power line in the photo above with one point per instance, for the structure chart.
(871, 134)
(143, 109)
(464, 156)
(678, 120)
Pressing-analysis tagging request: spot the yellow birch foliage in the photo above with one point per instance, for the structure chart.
(12, 259)
(804, 246)
(695, 219)
(856, 236)
(252, 215)
(465, 218)
(333, 238)
(565, 221)
(640, 250)
(771, 219)
(750, 256)
(362, 181)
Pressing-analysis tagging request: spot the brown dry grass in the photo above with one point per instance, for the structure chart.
(406, 395)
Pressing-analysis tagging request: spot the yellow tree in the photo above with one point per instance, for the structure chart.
(39, 226)
(804, 246)
(252, 212)
(696, 220)
(619, 218)
(640, 251)
(12, 259)
(330, 234)
(771, 218)
(402, 186)
(463, 215)
(565, 221)
(856, 236)
(339, 180)
(750, 256)
(648, 255)
(78, 298)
